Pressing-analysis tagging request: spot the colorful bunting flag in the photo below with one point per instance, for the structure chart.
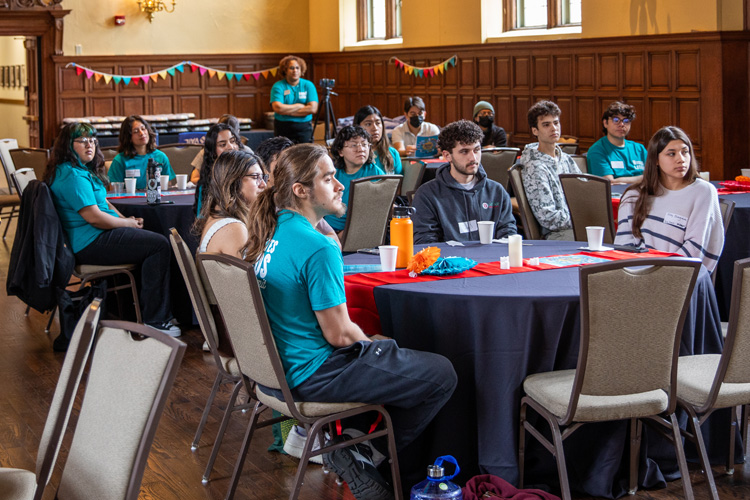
(430, 71)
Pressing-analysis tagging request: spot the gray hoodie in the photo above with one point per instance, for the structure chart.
(446, 211)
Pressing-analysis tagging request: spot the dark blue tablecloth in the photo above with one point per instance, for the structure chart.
(497, 330)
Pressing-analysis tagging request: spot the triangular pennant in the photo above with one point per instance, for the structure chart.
(126, 79)
(193, 67)
(79, 71)
(211, 73)
(97, 77)
(220, 73)
(273, 71)
(445, 66)
(163, 74)
(246, 76)
(170, 72)
(440, 69)
(453, 61)
(89, 73)
(411, 70)
(107, 78)
(145, 79)
(180, 68)
(256, 76)
(202, 71)
(238, 76)
(155, 77)
(264, 73)
(116, 79)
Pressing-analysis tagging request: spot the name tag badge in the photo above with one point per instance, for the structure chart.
(303, 96)
(676, 220)
(287, 92)
(638, 164)
(132, 172)
(617, 165)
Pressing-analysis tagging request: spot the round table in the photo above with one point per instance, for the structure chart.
(496, 330)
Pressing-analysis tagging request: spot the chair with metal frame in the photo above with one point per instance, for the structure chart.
(21, 179)
(235, 286)
(368, 208)
(34, 158)
(589, 200)
(627, 363)
(413, 171)
(11, 200)
(497, 161)
(727, 209)
(181, 156)
(531, 228)
(581, 162)
(226, 365)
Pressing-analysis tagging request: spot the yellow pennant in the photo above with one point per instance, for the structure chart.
(273, 71)
(107, 78)
(221, 74)
(163, 74)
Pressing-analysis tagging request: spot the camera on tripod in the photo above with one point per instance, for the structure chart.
(327, 83)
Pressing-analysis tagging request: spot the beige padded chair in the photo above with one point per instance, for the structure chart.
(33, 158)
(133, 368)
(368, 208)
(581, 163)
(708, 382)
(589, 200)
(727, 209)
(180, 156)
(233, 283)
(9, 203)
(109, 152)
(413, 171)
(19, 484)
(497, 161)
(627, 364)
(531, 228)
(22, 177)
(226, 365)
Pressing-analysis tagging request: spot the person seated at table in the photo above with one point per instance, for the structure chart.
(219, 138)
(352, 157)
(384, 156)
(269, 151)
(672, 209)
(461, 194)
(137, 147)
(484, 116)
(98, 233)
(237, 178)
(543, 162)
(404, 137)
(294, 100)
(614, 157)
(197, 162)
(326, 356)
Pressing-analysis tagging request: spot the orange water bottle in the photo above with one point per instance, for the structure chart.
(402, 234)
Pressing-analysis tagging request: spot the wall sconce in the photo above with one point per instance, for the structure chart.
(151, 6)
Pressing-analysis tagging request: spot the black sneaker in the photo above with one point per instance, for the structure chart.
(354, 465)
(167, 327)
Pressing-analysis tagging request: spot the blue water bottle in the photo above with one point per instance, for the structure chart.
(438, 485)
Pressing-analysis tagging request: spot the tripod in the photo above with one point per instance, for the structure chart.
(329, 116)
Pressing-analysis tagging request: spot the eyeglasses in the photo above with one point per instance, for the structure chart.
(258, 178)
(87, 140)
(358, 145)
(625, 121)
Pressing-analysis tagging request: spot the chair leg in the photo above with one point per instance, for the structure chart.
(257, 409)
(562, 469)
(732, 433)
(206, 410)
(702, 454)
(303, 461)
(744, 410)
(681, 461)
(51, 319)
(222, 429)
(521, 445)
(636, 428)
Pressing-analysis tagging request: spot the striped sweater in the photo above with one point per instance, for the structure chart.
(687, 222)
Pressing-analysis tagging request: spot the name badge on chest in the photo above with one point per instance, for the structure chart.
(287, 92)
(132, 172)
(617, 165)
(676, 220)
(303, 96)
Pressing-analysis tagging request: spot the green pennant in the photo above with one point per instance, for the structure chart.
(171, 71)
(116, 79)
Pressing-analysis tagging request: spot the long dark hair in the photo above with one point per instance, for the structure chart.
(209, 158)
(650, 185)
(383, 145)
(126, 136)
(346, 134)
(295, 165)
(62, 152)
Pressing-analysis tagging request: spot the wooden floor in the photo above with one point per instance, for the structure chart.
(28, 374)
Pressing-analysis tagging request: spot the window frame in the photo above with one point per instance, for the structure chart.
(554, 16)
(391, 23)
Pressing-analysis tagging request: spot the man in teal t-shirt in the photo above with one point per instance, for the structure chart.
(613, 157)
(294, 100)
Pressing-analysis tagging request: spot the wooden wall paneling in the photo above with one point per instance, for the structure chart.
(585, 72)
(101, 86)
(521, 105)
(689, 119)
(504, 112)
(638, 126)
(660, 112)
(521, 70)
(466, 109)
(541, 78)
(394, 106)
(167, 83)
(587, 119)
(379, 71)
(246, 105)
(439, 110)
(132, 105)
(484, 73)
(660, 70)
(365, 75)
(102, 106)
(567, 116)
(73, 107)
(633, 72)
(502, 73)
(467, 72)
(213, 82)
(160, 105)
(68, 81)
(562, 72)
(189, 104)
(190, 80)
(608, 74)
(735, 103)
(342, 76)
(688, 70)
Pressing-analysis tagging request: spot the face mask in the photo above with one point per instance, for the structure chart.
(416, 121)
(486, 121)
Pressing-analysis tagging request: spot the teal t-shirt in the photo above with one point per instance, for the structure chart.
(398, 169)
(136, 166)
(338, 223)
(74, 188)
(300, 272)
(604, 158)
(302, 93)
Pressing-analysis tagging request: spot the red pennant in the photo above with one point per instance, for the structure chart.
(193, 67)
(246, 76)
(79, 71)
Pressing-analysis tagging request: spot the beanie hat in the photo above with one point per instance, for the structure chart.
(482, 105)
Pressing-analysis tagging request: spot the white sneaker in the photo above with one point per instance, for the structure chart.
(167, 327)
(295, 443)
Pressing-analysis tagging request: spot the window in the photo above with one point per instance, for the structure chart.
(378, 19)
(545, 14)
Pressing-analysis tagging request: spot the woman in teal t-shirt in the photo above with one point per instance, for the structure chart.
(98, 233)
(385, 156)
(137, 147)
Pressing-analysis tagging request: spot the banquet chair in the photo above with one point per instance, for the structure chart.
(531, 228)
(10, 202)
(727, 209)
(226, 365)
(497, 161)
(627, 364)
(413, 171)
(708, 382)
(132, 370)
(581, 163)
(369, 206)
(21, 179)
(34, 158)
(181, 156)
(109, 152)
(233, 283)
(20, 484)
(589, 200)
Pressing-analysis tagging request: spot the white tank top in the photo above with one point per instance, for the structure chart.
(215, 229)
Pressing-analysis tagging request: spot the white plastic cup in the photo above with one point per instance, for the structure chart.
(388, 255)
(595, 235)
(182, 181)
(486, 231)
(130, 185)
(164, 180)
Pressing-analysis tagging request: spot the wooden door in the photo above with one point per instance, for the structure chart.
(32, 90)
